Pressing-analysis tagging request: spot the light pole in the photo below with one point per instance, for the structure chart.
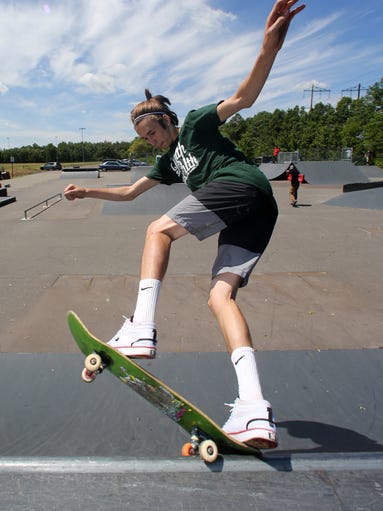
(11, 158)
(57, 150)
(82, 142)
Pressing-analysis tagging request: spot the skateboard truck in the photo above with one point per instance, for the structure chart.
(93, 366)
(200, 444)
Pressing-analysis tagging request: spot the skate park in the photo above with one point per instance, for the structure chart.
(314, 308)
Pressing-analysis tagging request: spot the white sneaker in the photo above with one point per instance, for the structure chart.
(136, 340)
(252, 422)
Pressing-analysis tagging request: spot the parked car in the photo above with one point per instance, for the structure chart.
(113, 165)
(51, 165)
(138, 163)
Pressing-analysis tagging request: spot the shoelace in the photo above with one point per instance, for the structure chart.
(124, 325)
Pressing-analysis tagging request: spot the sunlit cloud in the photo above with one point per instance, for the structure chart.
(80, 61)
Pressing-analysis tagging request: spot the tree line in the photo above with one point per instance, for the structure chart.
(318, 134)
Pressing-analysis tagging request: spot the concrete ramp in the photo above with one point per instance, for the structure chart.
(363, 199)
(274, 171)
(323, 172)
(80, 174)
(324, 402)
(331, 172)
(373, 172)
(69, 445)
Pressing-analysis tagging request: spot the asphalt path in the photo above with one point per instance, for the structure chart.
(315, 310)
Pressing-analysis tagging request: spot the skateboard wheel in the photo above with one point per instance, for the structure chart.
(188, 450)
(208, 451)
(87, 376)
(93, 362)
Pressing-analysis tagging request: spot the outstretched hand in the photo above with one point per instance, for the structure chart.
(278, 23)
(72, 192)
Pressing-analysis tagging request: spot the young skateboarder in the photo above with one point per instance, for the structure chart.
(230, 196)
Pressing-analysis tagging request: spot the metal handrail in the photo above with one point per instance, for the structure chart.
(46, 205)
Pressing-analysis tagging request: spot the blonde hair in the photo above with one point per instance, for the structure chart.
(154, 105)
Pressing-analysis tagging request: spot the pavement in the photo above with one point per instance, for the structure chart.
(314, 306)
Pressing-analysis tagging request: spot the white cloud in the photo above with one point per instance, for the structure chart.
(3, 88)
(80, 60)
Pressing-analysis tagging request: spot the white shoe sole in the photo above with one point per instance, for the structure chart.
(139, 352)
(257, 438)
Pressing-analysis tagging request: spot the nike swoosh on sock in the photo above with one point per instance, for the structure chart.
(237, 361)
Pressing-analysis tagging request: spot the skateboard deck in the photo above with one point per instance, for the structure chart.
(206, 438)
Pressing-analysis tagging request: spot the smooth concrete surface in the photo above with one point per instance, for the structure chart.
(325, 172)
(178, 490)
(367, 199)
(315, 309)
(327, 402)
(318, 286)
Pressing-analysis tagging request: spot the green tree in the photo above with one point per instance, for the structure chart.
(292, 128)
(235, 128)
(351, 123)
(374, 96)
(139, 148)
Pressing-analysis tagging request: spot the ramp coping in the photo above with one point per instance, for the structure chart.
(280, 463)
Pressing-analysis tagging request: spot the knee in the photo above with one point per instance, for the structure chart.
(223, 291)
(166, 227)
(154, 228)
(211, 302)
(215, 301)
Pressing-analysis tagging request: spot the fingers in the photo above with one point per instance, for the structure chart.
(283, 8)
(282, 13)
(295, 11)
(71, 192)
(278, 22)
(286, 4)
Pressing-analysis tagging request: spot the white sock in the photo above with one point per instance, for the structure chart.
(245, 365)
(146, 304)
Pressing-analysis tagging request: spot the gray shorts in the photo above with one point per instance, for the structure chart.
(244, 217)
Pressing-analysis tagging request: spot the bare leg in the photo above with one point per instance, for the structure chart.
(236, 334)
(137, 336)
(159, 237)
(222, 303)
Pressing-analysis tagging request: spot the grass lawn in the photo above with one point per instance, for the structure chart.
(23, 169)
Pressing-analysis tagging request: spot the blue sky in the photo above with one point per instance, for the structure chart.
(71, 64)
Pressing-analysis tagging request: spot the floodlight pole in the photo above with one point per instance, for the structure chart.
(82, 142)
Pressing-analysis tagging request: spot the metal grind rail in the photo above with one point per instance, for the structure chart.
(45, 203)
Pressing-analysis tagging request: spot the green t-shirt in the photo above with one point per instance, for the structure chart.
(201, 155)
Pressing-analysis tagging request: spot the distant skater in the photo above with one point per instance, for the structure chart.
(294, 176)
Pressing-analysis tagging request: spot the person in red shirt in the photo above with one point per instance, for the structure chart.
(295, 178)
(275, 154)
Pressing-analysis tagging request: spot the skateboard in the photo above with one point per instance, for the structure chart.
(207, 439)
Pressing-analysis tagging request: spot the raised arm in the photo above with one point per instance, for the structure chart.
(121, 193)
(276, 28)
